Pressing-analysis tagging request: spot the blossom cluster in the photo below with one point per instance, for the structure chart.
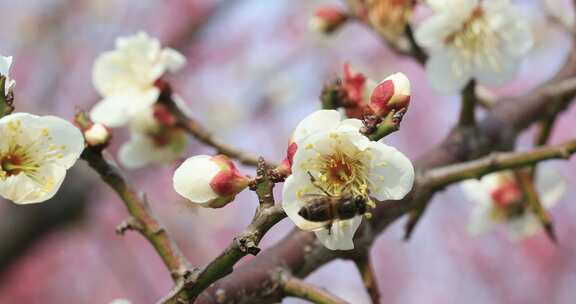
(336, 168)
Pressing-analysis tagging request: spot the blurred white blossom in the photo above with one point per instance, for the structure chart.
(342, 161)
(211, 181)
(472, 39)
(5, 63)
(126, 77)
(499, 199)
(120, 301)
(151, 140)
(35, 153)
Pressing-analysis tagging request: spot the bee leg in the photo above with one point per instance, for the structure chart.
(368, 215)
(371, 203)
(329, 227)
(315, 183)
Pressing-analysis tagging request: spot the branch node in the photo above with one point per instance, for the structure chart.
(247, 245)
(128, 224)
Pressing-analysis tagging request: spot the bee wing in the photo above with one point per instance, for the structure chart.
(311, 196)
(310, 225)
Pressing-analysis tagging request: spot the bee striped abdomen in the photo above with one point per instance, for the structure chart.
(318, 211)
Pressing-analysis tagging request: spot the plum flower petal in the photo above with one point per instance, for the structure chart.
(340, 235)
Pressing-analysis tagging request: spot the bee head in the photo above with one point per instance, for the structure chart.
(360, 203)
(303, 212)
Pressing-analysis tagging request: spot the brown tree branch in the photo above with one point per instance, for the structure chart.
(141, 214)
(468, 107)
(294, 287)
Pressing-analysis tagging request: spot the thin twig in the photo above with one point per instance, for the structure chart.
(545, 130)
(407, 48)
(468, 110)
(441, 177)
(533, 202)
(415, 50)
(198, 131)
(141, 214)
(364, 265)
(297, 288)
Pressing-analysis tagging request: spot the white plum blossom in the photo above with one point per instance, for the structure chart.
(210, 181)
(35, 153)
(342, 161)
(126, 77)
(472, 39)
(499, 200)
(151, 141)
(5, 63)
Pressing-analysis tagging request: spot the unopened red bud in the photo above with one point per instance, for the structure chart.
(393, 93)
(327, 19)
(228, 181)
(286, 165)
(211, 181)
(163, 115)
(506, 194)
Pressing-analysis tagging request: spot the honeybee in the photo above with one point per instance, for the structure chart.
(322, 208)
(328, 208)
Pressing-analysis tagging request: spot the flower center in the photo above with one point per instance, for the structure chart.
(339, 173)
(23, 153)
(507, 200)
(15, 162)
(476, 42)
(338, 168)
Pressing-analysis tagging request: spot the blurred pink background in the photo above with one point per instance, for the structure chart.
(254, 70)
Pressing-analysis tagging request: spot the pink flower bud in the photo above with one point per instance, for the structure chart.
(97, 135)
(506, 194)
(286, 165)
(354, 85)
(211, 181)
(393, 93)
(163, 116)
(327, 19)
